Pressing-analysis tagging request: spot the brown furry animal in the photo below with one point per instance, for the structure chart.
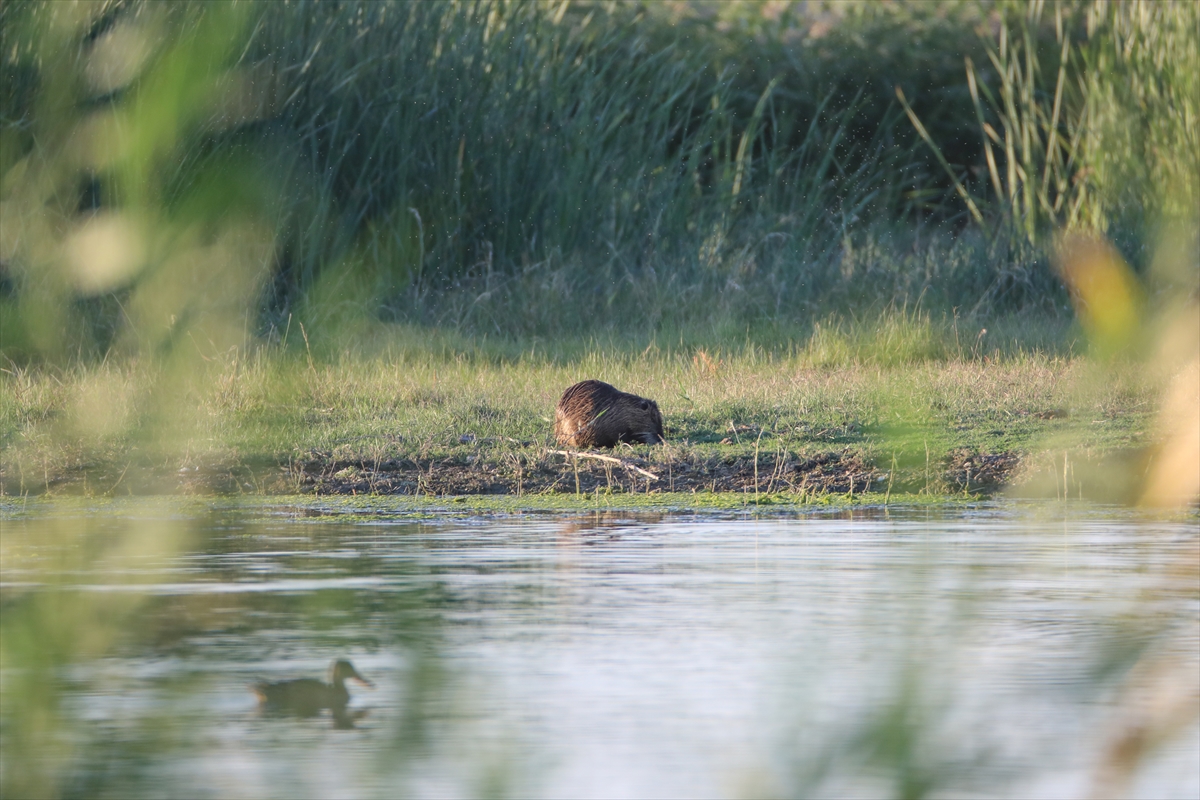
(595, 414)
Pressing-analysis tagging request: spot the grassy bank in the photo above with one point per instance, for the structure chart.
(364, 246)
(454, 417)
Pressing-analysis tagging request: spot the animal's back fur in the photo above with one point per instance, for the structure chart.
(596, 414)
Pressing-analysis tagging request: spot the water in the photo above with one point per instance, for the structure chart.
(978, 653)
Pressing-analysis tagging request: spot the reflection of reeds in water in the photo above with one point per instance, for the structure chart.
(918, 730)
(911, 678)
(1158, 699)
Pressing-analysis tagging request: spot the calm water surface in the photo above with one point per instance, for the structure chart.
(976, 653)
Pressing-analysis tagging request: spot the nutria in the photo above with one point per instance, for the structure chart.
(595, 414)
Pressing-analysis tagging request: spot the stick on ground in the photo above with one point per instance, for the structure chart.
(610, 459)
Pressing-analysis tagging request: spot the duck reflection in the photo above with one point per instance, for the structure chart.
(308, 697)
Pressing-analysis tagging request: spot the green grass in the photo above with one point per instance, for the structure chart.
(418, 415)
(347, 508)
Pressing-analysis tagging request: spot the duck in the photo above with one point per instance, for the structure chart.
(308, 696)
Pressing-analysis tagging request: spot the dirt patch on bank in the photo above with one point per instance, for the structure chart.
(550, 472)
(541, 470)
(841, 472)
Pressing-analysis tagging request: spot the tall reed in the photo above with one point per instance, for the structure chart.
(442, 140)
(1095, 127)
(570, 168)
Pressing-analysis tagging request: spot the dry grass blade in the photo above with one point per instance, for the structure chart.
(607, 459)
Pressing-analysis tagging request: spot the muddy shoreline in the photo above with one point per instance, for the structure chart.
(539, 471)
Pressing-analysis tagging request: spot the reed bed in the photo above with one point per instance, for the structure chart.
(578, 168)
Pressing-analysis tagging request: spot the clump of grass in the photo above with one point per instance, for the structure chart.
(850, 52)
(395, 418)
(1087, 119)
(896, 338)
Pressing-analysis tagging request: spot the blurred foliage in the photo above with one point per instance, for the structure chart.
(124, 230)
(61, 624)
(1110, 302)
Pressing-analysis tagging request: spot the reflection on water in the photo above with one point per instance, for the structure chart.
(871, 654)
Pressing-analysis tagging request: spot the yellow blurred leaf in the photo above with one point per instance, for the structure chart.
(1107, 295)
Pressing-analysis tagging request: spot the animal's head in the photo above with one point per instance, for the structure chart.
(343, 669)
(651, 429)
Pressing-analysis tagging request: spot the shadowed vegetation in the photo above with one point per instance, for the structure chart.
(575, 169)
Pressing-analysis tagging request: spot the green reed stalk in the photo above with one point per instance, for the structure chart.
(1065, 155)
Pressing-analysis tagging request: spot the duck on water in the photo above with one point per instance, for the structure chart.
(307, 697)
